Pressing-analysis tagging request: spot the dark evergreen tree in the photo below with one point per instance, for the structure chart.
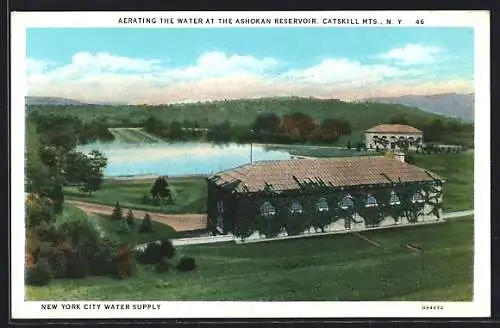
(147, 225)
(161, 190)
(117, 212)
(130, 218)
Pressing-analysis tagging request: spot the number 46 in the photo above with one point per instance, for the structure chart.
(419, 21)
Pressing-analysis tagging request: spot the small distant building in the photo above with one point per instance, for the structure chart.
(285, 197)
(394, 136)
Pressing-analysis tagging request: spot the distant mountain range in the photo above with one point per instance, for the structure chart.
(56, 101)
(448, 104)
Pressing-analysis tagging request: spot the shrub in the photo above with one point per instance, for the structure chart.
(186, 264)
(38, 210)
(167, 249)
(124, 264)
(101, 263)
(155, 251)
(56, 257)
(151, 254)
(163, 265)
(147, 225)
(77, 267)
(83, 235)
(130, 218)
(38, 274)
(124, 227)
(117, 212)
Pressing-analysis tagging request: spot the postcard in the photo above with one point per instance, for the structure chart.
(250, 164)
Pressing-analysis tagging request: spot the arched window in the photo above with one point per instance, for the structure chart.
(347, 202)
(267, 209)
(417, 198)
(220, 206)
(322, 205)
(394, 200)
(296, 208)
(370, 201)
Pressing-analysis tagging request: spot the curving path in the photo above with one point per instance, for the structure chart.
(179, 222)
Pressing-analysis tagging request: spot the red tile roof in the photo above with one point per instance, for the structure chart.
(337, 172)
(393, 128)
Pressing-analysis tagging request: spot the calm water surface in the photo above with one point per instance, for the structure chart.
(186, 158)
(175, 159)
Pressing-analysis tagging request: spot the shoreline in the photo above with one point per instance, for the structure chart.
(152, 176)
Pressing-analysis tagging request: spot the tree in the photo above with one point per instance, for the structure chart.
(57, 196)
(161, 189)
(266, 123)
(331, 129)
(75, 167)
(130, 218)
(299, 124)
(37, 175)
(175, 131)
(93, 176)
(398, 120)
(147, 225)
(117, 212)
(124, 226)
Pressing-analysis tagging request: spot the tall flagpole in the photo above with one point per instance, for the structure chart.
(251, 152)
(251, 146)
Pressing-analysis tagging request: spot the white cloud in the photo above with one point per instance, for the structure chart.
(343, 71)
(215, 76)
(84, 64)
(413, 54)
(218, 64)
(37, 66)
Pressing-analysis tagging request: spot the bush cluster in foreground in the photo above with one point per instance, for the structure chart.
(75, 249)
(161, 254)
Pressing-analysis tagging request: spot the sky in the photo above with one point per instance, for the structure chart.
(157, 66)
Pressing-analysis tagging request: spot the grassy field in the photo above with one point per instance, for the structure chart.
(323, 268)
(160, 231)
(458, 192)
(189, 194)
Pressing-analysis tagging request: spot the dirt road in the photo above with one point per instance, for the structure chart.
(179, 222)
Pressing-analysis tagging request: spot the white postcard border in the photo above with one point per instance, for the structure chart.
(480, 307)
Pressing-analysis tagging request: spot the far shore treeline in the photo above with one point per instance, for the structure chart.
(266, 120)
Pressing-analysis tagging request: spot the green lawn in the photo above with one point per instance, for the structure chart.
(322, 268)
(71, 213)
(318, 151)
(189, 194)
(458, 192)
(160, 231)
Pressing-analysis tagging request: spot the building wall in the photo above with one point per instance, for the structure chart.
(232, 211)
(392, 137)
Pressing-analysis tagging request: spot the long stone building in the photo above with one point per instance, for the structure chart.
(290, 197)
(394, 136)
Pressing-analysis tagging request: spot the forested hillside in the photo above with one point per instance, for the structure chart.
(242, 115)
